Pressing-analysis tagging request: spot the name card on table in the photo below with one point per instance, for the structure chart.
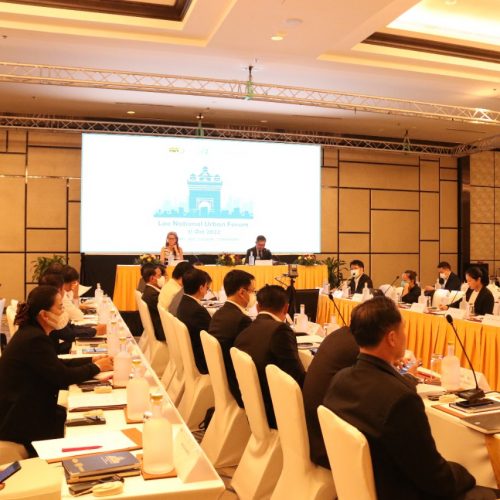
(338, 294)
(491, 320)
(357, 297)
(456, 313)
(189, 462)
(416, 307)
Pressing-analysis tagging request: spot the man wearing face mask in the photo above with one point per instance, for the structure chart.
(154, 281)
(32, 374)
(232, 318)
(447, 279)
(269, 340)
(358, 277)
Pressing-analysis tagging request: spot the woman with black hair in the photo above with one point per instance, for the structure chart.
(31, 374)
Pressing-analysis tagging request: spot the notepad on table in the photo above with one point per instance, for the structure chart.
(89, 401)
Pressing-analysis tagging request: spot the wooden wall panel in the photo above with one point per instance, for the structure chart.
(362, 175)
(16, 141)
(12, 209)
(394, 200)
(354, 243)
(386, 267)
(12, 164)
(482, 169)
(482, 240)
(429, 216)
(74, 227)
(47, 203)
(482, 204)
(448, 204)
(394, 232)
(429, 259)
(354, 210)
(46, 240)
(56, 162)
(12, 276)
(429, 175)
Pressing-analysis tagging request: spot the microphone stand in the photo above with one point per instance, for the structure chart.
(330, 296)
(391, 285)
(470, 395)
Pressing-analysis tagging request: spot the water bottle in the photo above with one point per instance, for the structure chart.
(251, 259)
(137, 393)
(157, 439)
(366, 293)
(98, 295)
(450, 370)
(113, 343)
(422, 299)
(437, 285)
(122, 365)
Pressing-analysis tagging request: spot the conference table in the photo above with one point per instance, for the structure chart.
(429, 334)
(127, 278)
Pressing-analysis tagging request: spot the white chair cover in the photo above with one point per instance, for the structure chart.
(300, 478)
(143, 341)
(174, 383)
(10, 312)
(228, 432)
(157, 352)
(260, 466)
(349, 456)
(198, 395)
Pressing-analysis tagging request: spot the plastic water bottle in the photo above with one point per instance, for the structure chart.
(422, 299)
(157, 439)
(366, 293)
(137, 393)
(122, 365)
(113, 343)
(450, 370)
(251, 259)
(437, 285)
(98, 294)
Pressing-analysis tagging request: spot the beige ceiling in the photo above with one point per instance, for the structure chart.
(221, 38)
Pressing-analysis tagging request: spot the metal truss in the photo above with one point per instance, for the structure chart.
(240, 133)
(235, 89)
(486, 144)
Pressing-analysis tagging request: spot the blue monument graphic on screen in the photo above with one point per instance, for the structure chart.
(204, 200)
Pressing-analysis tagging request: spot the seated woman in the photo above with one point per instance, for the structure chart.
(411, 290)
(171, 248)
(32, 374)
(477, 294)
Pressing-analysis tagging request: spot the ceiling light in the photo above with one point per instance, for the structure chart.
(293, 21)
(130, 112)
(263, 121)
(278, 37)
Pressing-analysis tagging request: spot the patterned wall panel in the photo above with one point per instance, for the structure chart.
(12, 200)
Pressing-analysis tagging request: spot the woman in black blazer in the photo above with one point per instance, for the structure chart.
(31, 374)
(477, 280)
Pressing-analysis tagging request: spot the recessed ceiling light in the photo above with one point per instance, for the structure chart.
(130, 112)
(263, 121)
(277, 38)
(293, 21)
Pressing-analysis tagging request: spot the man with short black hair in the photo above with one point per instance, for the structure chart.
(447, 278)
(151, 276)
(385, 407)
(171, 294)
(358, 277)
(259, 251)
(70, 295)
(196, 318)
(232, 318)
(271, 341)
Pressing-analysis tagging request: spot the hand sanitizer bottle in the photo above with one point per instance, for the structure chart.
(98, 295)
(137, 393)
(157, 439)
(122, 365)
(251, 259)
(366, 293)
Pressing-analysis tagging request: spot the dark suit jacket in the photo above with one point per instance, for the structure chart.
(484, 302)
(32, 375)
(225, 326)
(63, 339)
(196, 318)
(412, 295)
(266, 254)
(338, 350)
(150, 296)
(271, 342)
(361, 283)
(452, 283)
(385, 407)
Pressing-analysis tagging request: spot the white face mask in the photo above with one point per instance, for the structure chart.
(252, 300)
(442, 276)
(160, 281)
(354, 273)
(57, 321)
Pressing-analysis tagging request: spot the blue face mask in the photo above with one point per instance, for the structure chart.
(403, 283)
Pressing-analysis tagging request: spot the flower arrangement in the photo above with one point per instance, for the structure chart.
(228, 259)
(147, 258)
(307, 260)
(335, 269)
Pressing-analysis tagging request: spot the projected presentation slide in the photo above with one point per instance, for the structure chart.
(218, 195)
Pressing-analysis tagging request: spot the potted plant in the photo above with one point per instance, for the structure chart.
(41, 264)
(335, 268)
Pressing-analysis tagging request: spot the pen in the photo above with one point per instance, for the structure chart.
(81, 448)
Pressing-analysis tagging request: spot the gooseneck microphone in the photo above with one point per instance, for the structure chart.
(330, 296)
(470, 395)
(391, 285)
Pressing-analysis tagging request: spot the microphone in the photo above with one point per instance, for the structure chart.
(277, 278)
(391, 285)
(330, 296)
(470, 395)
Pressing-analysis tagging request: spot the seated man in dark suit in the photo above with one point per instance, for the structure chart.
(64, 337)
(190, 311)
(259, 251)
(270, 341)
(232, 318)
(358, 277)
(338, 350)
(385, 407)
(151, 276)
(448, 280)
(411, 290)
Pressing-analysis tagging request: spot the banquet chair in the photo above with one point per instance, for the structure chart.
(157, 353)
(143, 340)
(198, 394)
(174, 384)
(261, 463)
(10, 312)
(228, 431)
(300, 478)
(11, 452)
(349, 456)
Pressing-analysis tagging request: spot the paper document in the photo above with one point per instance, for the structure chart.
(88, 400)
